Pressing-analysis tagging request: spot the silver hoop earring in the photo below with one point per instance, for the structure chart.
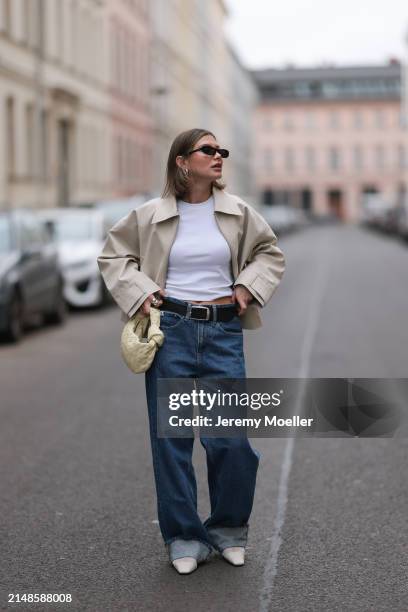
(185, 170)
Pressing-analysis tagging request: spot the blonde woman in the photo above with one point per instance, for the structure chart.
(209, 262)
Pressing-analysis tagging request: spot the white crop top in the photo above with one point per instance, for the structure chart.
(200, 259)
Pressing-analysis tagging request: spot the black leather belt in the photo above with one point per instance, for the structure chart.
(201, 312)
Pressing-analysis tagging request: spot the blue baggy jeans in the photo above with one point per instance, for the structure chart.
(200, 349)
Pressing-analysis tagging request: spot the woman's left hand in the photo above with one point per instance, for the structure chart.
(243, 297)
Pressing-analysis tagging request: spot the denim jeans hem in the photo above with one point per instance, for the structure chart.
(192, 547)
(224, 537)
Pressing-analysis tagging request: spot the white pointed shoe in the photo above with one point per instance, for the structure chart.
(234, 554)
(185, 565)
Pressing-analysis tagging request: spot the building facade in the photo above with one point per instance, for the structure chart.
(326, 136)
(129, 38)
(92, 93)
(243, 99)
(197, 81)
(75, 119)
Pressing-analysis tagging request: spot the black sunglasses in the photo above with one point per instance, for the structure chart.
(209, 150)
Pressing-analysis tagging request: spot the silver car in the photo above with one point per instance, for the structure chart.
(79, 235)
(31, 286)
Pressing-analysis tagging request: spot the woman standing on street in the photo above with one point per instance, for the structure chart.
(212, 262)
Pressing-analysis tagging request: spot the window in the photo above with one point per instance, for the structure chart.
(289, 160)
(334, 120)
(26, 21)
(74, 32)
(268, 160)
(7, 16)
(30, 151)
(379, 118)
(34, 26)
(114, 55)
(133, 165)
(128, 161)
(120, 159)
(138, 163)
(402, 157)
(310, 158)
(310, 120)
(288, 123)
(358, 157)
(59, 29)
(334, 158)
(10, 138)
(44, 144)
(120, 62)
(132, 79)
(267, 124)
(380, 157)
(30, 231)
(358, 119)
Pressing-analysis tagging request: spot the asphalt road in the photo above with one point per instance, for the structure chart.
(329, 527)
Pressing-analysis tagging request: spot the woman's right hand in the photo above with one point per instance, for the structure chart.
(145, 307)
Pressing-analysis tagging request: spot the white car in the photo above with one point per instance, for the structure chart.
(79, 235)
(114, 210)
(283, 218)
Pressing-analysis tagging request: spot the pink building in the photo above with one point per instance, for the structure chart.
(326, 136)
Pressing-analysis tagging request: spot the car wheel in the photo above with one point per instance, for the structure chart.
(14, 331)
(59, 314)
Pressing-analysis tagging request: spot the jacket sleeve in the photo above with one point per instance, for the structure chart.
(265, 264)
(119, 264)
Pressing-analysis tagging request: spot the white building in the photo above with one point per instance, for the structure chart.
(92, 92)
(75, 121)
(243, 98)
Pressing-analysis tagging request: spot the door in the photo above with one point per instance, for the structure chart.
(64, 162)
(306, 200)
(335, 202)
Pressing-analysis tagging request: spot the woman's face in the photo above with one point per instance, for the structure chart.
(200, 165)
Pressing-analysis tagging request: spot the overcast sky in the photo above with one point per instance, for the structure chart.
(275, 32)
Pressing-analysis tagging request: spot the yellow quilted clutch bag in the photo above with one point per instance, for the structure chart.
(141, 338)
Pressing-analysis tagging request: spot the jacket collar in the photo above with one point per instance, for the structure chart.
(224, 202)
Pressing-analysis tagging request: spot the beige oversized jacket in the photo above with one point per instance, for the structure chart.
(135, 255)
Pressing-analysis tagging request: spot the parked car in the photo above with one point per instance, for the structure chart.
(391, 220)
(31, 283)
(79, 235)
(403, 218)
(114, 210)
(377, 212)
(283, 218)
(403, 224)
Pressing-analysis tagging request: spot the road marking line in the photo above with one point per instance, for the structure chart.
(271, 566)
